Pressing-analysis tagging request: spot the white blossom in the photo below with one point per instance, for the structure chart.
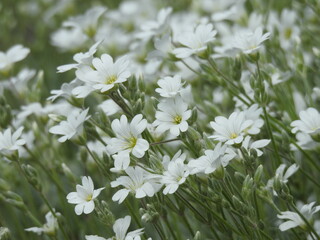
(10, 142)
(84, 196)
(49, 227)
(14, 54)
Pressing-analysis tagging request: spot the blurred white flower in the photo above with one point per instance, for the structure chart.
(293, 219)
(212, 160)
(107, 73)
(88, 21)
(68, 39)
(10, 142)
(72, 127)
(139, 182)
(173, 116)
(309, 122)
(195, 42)
(169, 86)
(14, 54)
(120, 228)
(157, 27)
(84, 196)
(232, 130)
(253, 113)
(49, 227)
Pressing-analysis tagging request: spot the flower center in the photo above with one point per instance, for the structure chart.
(233, 135)
(177, 119)
(111, 79)
(132, 142)
(89, 198)
(287, 33)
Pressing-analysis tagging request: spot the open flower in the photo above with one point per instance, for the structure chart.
(84, 196)
(138, 181)
(14, 54)
(294, 219)
(120, 228)
(169, 86)
(128, 139)
(173, 116)
(48, 228)
(212, 160)
(72, 127)
(11, 142)
(196, 41)
(309, 122)
(232, 130)
(175, 175)
(107, 73)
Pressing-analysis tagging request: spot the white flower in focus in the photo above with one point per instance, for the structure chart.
(232, 130)
(169, 86)
(120, 228)
(195, 42)
(84, 196)
(212, 160)
(294, 219)
(283, 174)
(173, 116)
(72, 127)
(128, 140)
(107, 73)
(256, 145)
(48, 228)
(309, 122)
(14, 54)
(139, 182)
(10, 142)
(80, 59)
(176, 174)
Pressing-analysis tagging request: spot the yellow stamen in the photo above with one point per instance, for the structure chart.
(111, 79)
(177, 119)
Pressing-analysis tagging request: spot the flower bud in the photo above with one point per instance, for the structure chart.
(32, 176)
(258, 174)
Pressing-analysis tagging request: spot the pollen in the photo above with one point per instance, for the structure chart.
(233, 135)
(111, 79)
(177, 119)
(89, 198)
(132, 142)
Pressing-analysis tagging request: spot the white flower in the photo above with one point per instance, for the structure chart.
(247, 41)
(65, 91)
(11, 142)
(138, 182)
(232, 130)
(72, 127)
(294, 219)
(48, 228)
(120, 228)
(128, 140)
(153, 28)
(107, 73)
(169, 86)
(84, 196)
(283, 174)
(80, 58)
(253, 113)
(87, 22)
(173, 116)
(14, 54)
(109, 107)
(256, 145)
(68, 39)
(212, 160)
(196, 41)
(176, 174)
(309, 122)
